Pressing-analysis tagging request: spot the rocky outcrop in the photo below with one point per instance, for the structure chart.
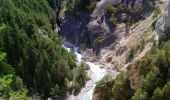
(132, 3)
(99, 10)
(163, 23)
(84, 28)
(99, 25)
(167, 18)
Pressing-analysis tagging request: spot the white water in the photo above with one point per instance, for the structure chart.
(95, 74)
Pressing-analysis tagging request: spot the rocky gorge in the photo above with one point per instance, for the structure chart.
(84, 49)
(115, 41)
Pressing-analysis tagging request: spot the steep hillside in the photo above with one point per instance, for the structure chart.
(145, 70)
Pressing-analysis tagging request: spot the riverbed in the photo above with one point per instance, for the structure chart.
(95, 73)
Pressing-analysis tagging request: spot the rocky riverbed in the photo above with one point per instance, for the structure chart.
(96, 72)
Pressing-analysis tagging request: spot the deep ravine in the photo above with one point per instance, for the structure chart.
(95, 73)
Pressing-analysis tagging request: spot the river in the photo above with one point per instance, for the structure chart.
(95, 73)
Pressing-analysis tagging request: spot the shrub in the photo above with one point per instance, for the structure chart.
(113, 21)
(130, 55)
(97, 41)
(109, 10)
(91, 6)
(157, 11)
(140, 95)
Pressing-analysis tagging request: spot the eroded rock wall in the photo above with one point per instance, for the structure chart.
(86, 27)
(163, 23)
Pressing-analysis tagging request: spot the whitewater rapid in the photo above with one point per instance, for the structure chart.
(95, 73)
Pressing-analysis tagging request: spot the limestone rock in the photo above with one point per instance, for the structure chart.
(164, 22)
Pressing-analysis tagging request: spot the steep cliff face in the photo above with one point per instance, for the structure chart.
(100, 24)
(163, 23)
(108, 20)
(167, 18)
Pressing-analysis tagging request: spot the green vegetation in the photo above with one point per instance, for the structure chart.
(127, 25)
(113, 21)
(130, 54)
(157, 11)
(11, 87)
(104, 86)
(117, 89)
(73, 6)
(154, 68)
(97, 41)
(110, 11)
(91, 5)
(130, 15)
(31, 51)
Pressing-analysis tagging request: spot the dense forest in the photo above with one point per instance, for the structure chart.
(32, 60)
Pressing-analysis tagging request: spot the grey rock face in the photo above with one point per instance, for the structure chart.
(132, 3)
(73, 29)
(101, 5)
(167, 18)
(98, 25)
(164, 22)
(86, 28)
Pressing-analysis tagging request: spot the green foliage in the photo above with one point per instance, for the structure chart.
(91, 5)
(79, 78)
(155, 69)
(54, 92)
(5, 68)
(162, 94)
(12, 87)
(140, 95)
(130, 55)
(150, 82)
(157, 94)
(2, 56)
(73, 6)
(102, 84)
(156, 83)
(121, 89)
(166, 91)
(2, 27)
(113, 21)
(120, 8)
(97, 41)
(144, 66)
(81, 75)
(32, 50)
(19, 95)
(157, 11)
(110, 10)
(128, 24)
(105, 86)
(114, 89)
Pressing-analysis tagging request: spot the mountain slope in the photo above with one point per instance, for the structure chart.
(146, 75)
